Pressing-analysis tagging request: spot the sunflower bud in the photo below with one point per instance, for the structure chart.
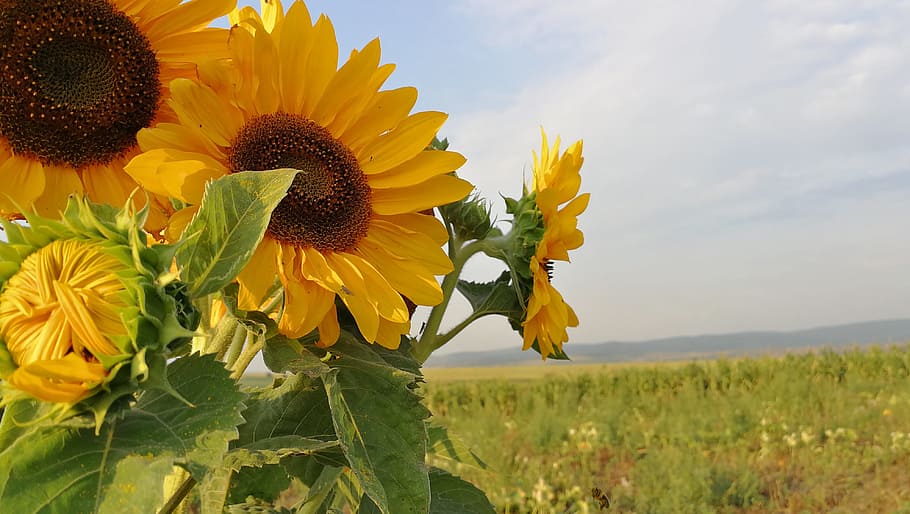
(87, 308)
(470, 218)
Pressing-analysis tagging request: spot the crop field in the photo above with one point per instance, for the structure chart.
(820, 432)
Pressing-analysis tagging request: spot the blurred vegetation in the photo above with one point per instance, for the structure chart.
(820, 432)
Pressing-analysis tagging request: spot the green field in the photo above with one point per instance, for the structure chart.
(824, 432)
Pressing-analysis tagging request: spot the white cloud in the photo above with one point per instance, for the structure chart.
(755, 142)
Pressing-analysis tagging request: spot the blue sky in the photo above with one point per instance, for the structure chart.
(749, 161)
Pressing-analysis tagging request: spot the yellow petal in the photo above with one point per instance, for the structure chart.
(146, 9)
(321, 64)
(177, 137)
(265, 70)
(293, 50)
(258, 276)
(389, 334)
(59, 183)
(194, 14)
(576, 206)
(386, 111)
(198, 106)
(380, 293)
(347, 83)
(70, 368)
(423, 166)
(238, 16)
(407, 277)
(410, 245)
(316, 268)
(23, 182)
(44, 389)
(329, 330)
(175, 173)
(187, 47)
(81, 321)
(436, 191)
(354, 109)
(178, 221)
(355, 295)
(272, 13)
(425, 224)
(306, 304)
(408, 139)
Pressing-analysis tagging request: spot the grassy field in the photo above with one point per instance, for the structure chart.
(826, 432)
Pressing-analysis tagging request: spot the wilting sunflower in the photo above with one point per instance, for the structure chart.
(78, 80)
(350, 226)
(555, 186)
(82, 299)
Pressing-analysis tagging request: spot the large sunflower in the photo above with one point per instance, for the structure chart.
(78, 80)
(350, 225)
(556, 181)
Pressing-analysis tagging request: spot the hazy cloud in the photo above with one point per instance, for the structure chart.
(748, 161)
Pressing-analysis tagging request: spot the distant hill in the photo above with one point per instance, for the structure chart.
(687, 347)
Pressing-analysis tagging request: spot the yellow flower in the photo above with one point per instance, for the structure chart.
(78, 79)
(58, 314)
(350, 225)
(556, 182)
(82, 299)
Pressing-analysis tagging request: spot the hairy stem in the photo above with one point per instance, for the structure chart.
(179, 495)
(430, 339)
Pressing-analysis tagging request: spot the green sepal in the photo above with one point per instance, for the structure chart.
(470, 218)
(158, 377)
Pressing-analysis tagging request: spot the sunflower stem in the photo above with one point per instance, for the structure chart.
(236, 346)
(179, 495)
(245, 358)
(442, 339)
(224, 333)
(431, 340)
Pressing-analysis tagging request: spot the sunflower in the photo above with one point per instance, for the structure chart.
(79, 299)
(555, 186)
(78, 80)
(350, 226)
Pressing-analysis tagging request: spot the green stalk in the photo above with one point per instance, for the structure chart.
(236, 346)
(430, 340)
(220, 340)
(179, 495)
(245, 358)
(442, 339)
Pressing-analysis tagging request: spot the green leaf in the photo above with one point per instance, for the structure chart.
(271, 450)
(231, 221)
(283, 355)
(293, 406)
(380, 422)
(449, 495)
(213, 490)
(443, 446)
(496, 297)
(64, 468)
(15, 420)
(263, 484)
(452, 495)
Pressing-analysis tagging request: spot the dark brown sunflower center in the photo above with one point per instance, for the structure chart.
(328, 205)
(78, 79)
